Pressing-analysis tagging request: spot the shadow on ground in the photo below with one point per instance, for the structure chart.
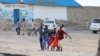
(8, 54)
(98, 54)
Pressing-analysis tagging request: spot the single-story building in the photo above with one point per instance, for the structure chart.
(33, 9)
(77, 12)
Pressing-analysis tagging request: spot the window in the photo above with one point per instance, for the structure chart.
(96, 21)
(49, 21)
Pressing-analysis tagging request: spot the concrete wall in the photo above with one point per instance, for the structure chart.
(50, 12)
(80, 17)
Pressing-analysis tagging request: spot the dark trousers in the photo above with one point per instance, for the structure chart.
(18, 31)
(41, 43)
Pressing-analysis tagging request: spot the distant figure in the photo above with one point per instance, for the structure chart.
(23, 26)
(18, 27)
(60, 34)
(40, 30)
(32, 28)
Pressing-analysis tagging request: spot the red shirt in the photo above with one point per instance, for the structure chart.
(60, 34)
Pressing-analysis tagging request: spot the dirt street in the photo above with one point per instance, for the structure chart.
(83, 43)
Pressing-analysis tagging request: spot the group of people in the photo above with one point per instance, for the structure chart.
(51, 39)
(21, 25)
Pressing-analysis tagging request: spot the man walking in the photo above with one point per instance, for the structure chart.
(18, 27)
(40, 29)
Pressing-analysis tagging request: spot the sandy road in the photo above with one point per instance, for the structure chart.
(83, 43)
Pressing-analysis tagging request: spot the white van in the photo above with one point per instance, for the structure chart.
(51, 24)
(95, 25)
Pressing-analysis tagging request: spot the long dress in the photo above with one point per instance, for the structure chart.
(55, 42)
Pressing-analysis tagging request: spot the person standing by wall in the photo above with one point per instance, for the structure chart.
(23, 26)
(18, 27)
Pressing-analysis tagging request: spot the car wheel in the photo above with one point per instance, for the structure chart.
(94, 31)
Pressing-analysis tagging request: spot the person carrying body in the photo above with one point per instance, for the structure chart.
(60, 34)
(40, 30)
(51, 38)
(46, 38)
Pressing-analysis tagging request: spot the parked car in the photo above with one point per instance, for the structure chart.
(51, 24)
(95, 25)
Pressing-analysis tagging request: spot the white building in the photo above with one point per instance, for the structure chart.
(28, 9)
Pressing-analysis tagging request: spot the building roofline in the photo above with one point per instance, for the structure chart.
(63, 3)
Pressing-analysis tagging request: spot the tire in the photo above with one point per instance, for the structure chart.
(94, 32)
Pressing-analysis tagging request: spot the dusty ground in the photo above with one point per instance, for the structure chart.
(83, 43)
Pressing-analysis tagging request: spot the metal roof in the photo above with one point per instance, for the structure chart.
(44, 2)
